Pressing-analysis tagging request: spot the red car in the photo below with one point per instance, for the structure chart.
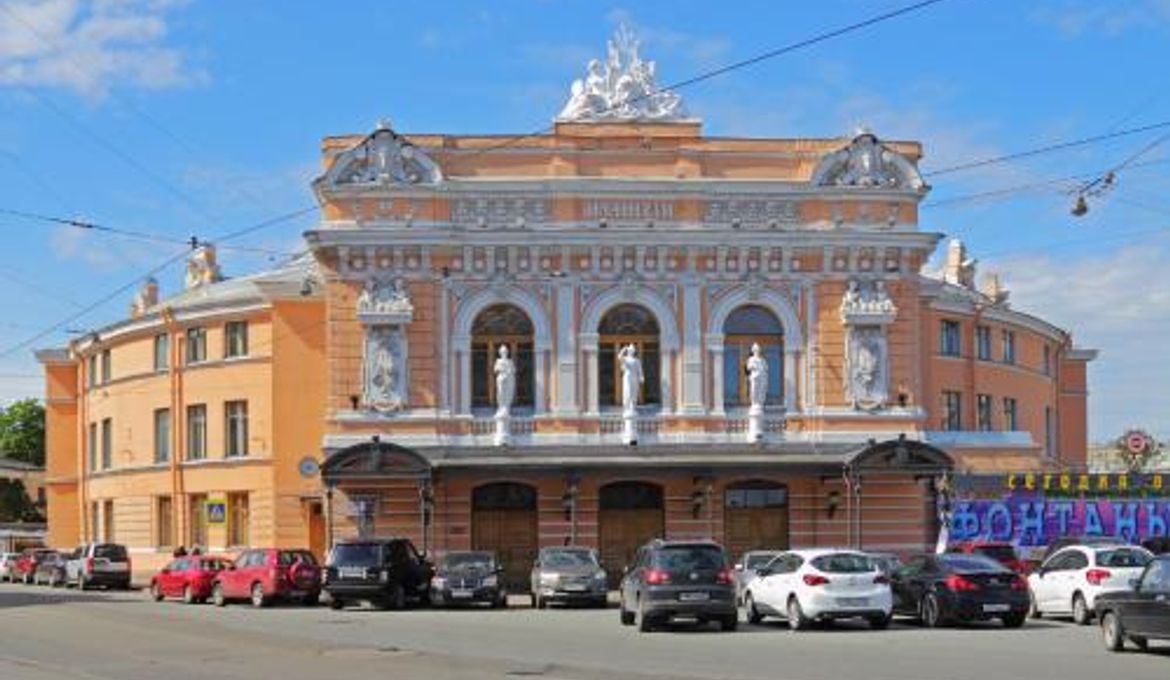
(189, 578)
(264, 575)
(1004, 553)
(25, 567)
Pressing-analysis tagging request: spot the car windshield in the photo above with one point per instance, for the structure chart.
(1123, 557)
(357, 554)
(1003, 553)
(689, 558)
(843, 563)
(213, 565)
(469, 559)
(758, 560)
(969, 563)
(568, 558)
(291, 557)
(114, 553)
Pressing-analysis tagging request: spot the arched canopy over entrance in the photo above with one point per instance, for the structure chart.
(900, 455)
(504, 521)
(374, 460)
(746, 326)
(502, 325)
(629, 515)
(755, 516)
(628, 324)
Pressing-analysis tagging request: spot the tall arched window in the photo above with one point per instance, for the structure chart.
(621, 326)
(495, 326)
(744, 326)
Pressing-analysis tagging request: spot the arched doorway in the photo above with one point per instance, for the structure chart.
(748, 325)
(629, 515)
(623, 325)
(755, 517)
(501, 326)
(504, 520)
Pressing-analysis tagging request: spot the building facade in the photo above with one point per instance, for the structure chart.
(617, 330)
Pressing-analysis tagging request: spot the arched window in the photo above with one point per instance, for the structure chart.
(495, 326)
(623, 325)
(744, 326)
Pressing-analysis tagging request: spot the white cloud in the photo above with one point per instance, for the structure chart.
(1074, 19)
(1112, 301)
(89, 46)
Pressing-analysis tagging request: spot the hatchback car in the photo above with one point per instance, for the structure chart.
(188, 578)
(1002, 552)
(99, 564)
(1070, 581)
(568, 575)
(26, 564)
(386, 572)
(939, 589)
(679, 580)
(468, 577)
(50, 570)
(804, 586)
(7, 565)
(266, 575)
(1139, 614)
(745, 569)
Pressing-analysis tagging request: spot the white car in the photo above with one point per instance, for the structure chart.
(803, 586)
(1070, 580)
(8, 565)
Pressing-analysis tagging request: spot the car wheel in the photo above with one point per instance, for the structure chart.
(188, 595)
(645, 625)
(880, 622)
(398, 597)
(796, 618)
(1013, 620)
(541, 603)
(1080, 610)
(931, 616)
(156, 592)
(749, 607)
(627, 617)
(729, 623)
(1033, 607)
(1112, 634)
(259, 599)
(336, 603)
(311, 599)
(81, 582)
(217, 597)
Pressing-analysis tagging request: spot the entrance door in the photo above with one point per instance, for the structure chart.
(629, 515)
(503, 520)
(316, 529)
(755, 517)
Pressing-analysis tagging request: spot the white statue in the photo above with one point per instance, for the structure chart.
(632, 377)
(202, 267)
(866, 372)
(382, 387)
(384, 297)
(757, 370)
(505, 370)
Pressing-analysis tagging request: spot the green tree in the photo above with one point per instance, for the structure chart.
(22, 432)
(15, 505)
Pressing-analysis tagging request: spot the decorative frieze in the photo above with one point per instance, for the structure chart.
(751, 213)
(499, 211)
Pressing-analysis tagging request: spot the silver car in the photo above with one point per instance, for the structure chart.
(8, 566)
(745, 570)
(568, 575)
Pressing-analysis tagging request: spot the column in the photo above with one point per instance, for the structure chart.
(463, 362)
(539, 368)
(715, 346)
(444, 348)
(692, 354)
(664, 370)
(589, 350)
(791, 355)
(565, 403)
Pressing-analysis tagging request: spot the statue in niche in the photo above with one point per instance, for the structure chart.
(382, 384)
(632, 377)
(757, 371)
(505, 370)
(866, 372)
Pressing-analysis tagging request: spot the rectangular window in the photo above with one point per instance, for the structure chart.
(95, 521)
(952, 410)
(107, 367)
(196, 432)
(1010, 413)
(983, 406)
(107, 443)
(93, 446)
(949, 342)
(983, 343)
(91, 371)
(238, 519)
(236, 428)
(162, 352)
(162, 435)
(235, 339)
(164, 517)
(197, 528)
(196, 345)
(108, 534)
(1009, 347)
(1047, 365)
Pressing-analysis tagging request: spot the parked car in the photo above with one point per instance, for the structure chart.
(887, 563)
(7, 565)
(1002, 552)
(26, 564)
(568, 575)
(467, 577)
(50, 570)
(673, 580)
(386, 572)
(745, 569)
(804, 586)
(265, 575)
(188, 578)
(1139, 614)
(939, 589)
(99, 564)
(1070, 581)
(1066, 541)
(1159, 545)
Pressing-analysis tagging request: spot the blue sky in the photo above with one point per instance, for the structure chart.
(200, 118)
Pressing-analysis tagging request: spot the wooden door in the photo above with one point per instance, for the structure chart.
(620, 534)
(755, 517)
(511, 535)
(316, 530)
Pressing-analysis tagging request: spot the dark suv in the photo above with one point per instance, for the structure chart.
(386, 572)
(679, 580)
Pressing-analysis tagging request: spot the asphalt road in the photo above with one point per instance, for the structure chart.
(54, 634)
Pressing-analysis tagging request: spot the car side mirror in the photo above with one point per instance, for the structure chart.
(739, 567)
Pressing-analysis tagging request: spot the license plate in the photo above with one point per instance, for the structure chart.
(853, 602)
(462, 594)
(576, 587)
(351, 572)
(989, 608)
(693, 597)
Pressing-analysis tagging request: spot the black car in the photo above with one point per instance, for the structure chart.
(386, 572)
(671, 580)
(1138, 615)
(939, 589)
(1159, 545)
(467, 577)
